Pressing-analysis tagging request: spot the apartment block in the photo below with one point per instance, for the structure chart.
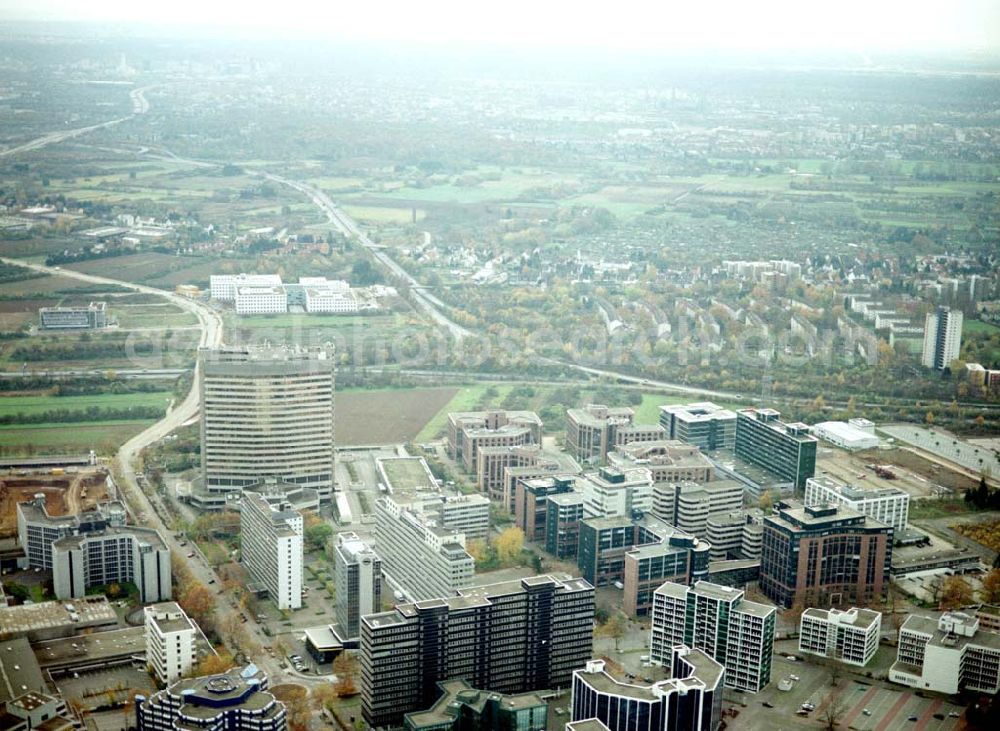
(469, 431)
(949, 655)
(271, 549)
(942, 338)
(685, 695)
(512, 637)
(639, 554)
(100, 554)
(717, 620)
(824, 555)
(702, 424)
(237, 700)
(850, 636)
(785, 450)
(593, 431)
(424, 559)
(358, 574)
(266, 412)
(889, 505)
(170, 638)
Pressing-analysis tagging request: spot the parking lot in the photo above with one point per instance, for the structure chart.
(890, 707)
(94, 689)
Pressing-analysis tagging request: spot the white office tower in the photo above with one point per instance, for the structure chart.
(848, 636)
(947, 655)
(271, 545)
(266, 412)
(942, 338)
(359, 582)
(170, 637)
(720, 622)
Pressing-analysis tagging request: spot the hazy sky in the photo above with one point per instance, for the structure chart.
(645, 24)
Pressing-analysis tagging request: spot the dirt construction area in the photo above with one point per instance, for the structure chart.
(912, 473)
(65, 494)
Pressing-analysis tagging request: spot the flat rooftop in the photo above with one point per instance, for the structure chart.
(458, 693)
(861, 618)
(93, 648)
(28, 618)
(19, 670)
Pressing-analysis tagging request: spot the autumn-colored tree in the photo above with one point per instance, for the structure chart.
(955, 593)
(929, 418)
(323, 696)
(197, 601)
(214, 664)
(990, 593)
(767, 502)
(478, 549)
(345, 667)
(509, 544)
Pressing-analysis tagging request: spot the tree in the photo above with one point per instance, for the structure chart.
(929, 418)
(316, 531)
(767, 502)
(990, 593)
(214, 664)
(509, 544)
(615, 628)
(197, 602)
(955, 593)
(830, 717)
(345, 667)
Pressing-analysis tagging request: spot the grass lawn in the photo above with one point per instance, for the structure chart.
(104, 437)
(976, 327)
(406, 473)
(467, 399)
(378, 214)
(11, 405)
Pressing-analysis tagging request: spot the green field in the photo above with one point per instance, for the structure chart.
(406, 473)
(154, 316)
(379, 214)
(13, 405)
(102, 436)
(978, 327)
(467, 399)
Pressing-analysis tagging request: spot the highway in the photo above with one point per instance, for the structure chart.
(428, 304)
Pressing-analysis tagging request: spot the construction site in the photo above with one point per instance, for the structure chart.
(67, 492)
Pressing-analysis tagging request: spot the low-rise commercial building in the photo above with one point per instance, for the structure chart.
(687, 696)
(717, 620)
(593, 431)
(889, 505)
(947, 655)
(846, 435)
(237, 700)
(92, 317)
(849, 636)
(666, 460)
(272, 549)
(462, 708)
(469, 431)
(512, 637)
(170, 641)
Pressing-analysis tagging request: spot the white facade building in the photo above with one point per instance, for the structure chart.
(849, 636)
(271, 545)
(947, 655)
(358, 573)
(942, 338)
(224, 287)
(688, 505)
(720, 622)
(889, 505)
(260, 301)
(611, 493)
(170, 638)
(845, 435)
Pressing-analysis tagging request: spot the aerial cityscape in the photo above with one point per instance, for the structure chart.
(554, 381)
